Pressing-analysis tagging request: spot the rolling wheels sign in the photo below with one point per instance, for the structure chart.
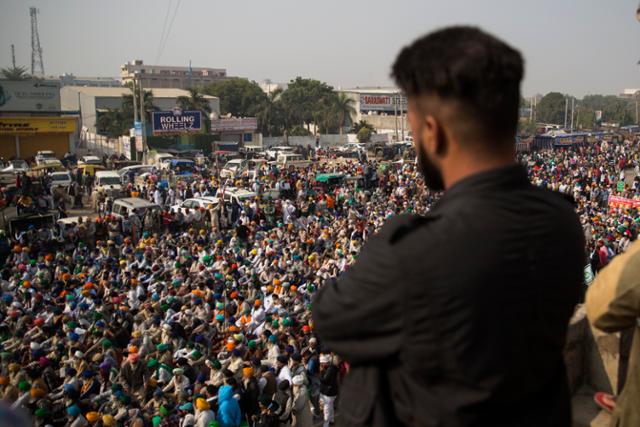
(176, 122)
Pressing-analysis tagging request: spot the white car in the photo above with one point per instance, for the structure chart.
(45, 156)
(233, 168)
(60, 179)
(273, 152)
(17, 166)
(239, 195)
(195, 204)
(90, 160)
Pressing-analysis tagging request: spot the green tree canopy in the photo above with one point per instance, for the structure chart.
(238, 97)
(196, 102)
(15, 73)
(551, 108)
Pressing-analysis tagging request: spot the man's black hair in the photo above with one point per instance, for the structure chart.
(467, 65)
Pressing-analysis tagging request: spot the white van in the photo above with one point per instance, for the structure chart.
(126, 206)
(136, 169)
(109, 182)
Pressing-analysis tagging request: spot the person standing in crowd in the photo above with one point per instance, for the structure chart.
(328, 388)
(459, 317)
(613, 305)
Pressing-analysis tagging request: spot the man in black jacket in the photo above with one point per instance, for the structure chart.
(459, 317)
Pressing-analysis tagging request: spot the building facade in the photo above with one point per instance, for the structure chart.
(94, 101)
(162, 76)
(382, 107)
(31, 119)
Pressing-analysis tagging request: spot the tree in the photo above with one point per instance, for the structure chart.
(15, 73)
(112, 123)
(362, 124)
(343, 107)
(149, 107)
(271, 117)
(305, 101)
(238, 97)
(364, 135)
(551, 108)
(196, 102)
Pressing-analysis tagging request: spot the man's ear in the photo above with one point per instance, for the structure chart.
(434, 136)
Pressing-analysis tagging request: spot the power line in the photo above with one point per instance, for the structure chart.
(175, 12)
(164, 27)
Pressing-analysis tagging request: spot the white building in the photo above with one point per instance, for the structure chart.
(165, 76)
(92, 101)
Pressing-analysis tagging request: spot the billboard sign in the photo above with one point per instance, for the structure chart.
(234, 125)
(29, 95)
(176, 122)
(36, 125)
(376, 102)
(137, 131)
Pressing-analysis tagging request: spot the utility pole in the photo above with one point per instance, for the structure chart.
(13, 56)
(566, 111)
(530, 109)
(402, 113)
(395, 114)
(573, 105)
(142, 121)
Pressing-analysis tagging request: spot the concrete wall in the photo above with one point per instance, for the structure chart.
(386, 123)
(325, 140)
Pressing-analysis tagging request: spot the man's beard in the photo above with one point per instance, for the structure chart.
(432, 175)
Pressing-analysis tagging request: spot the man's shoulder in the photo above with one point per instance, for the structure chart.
(398, 227)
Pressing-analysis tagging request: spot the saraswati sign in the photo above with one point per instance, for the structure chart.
(176, 122)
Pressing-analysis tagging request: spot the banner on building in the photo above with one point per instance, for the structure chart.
(34, 125)
(137, 132)
(622, 202)
(373, 102)
(29, 95)
(176, 122)
(234, 125)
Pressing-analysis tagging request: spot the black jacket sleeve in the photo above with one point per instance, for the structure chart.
(359, 316)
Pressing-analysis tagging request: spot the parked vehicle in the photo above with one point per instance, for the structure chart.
(90, 160)
(60, 179)
(45, 156)
(109, 182)
(273, 152)
(288, 160)
(126, 206)
(233, 168)
(195, 203)
(239, 195)
(16, 166)
(136, 170)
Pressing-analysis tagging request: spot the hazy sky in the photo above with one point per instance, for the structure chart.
(578, 47)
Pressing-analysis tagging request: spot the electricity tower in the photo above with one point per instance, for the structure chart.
(36, 49)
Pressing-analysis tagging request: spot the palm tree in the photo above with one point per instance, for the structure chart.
(196, 102)
(127, 104)
(15, 73)
(343, 107)
(270, 114)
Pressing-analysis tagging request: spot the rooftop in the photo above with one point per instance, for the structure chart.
(119, 91)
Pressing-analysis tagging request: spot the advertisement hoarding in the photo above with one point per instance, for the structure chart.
(36, 125)
(176, 122)
(376, 102)
(234, 125)
(29, 95)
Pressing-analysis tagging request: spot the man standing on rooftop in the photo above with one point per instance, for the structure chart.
(459, 317)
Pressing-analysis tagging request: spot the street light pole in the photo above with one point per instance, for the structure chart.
(142, 122)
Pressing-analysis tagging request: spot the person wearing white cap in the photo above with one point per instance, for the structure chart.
(302, 416)
(328, 388)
